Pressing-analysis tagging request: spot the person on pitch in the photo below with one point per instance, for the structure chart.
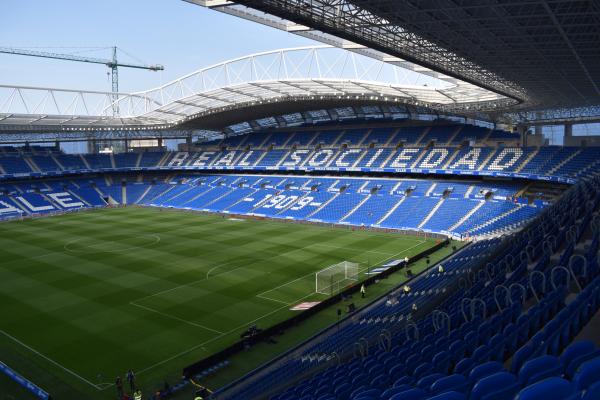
(131, 380)
(119, 386)
(363, 290)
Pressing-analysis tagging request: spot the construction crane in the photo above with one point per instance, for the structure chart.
(113, 64)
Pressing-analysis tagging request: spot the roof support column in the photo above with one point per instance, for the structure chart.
(522, 130)
(568, 134)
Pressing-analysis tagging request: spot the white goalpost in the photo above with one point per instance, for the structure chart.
(331, 279)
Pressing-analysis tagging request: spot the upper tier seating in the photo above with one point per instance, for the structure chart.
(437, 148)
(557, 163)
(15, 165)
(126, 160)
(70, 162)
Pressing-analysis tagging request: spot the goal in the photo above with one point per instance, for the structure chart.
(331, 279)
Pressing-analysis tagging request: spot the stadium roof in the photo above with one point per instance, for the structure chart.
(268, 81)
(517, 61)
(545, 54)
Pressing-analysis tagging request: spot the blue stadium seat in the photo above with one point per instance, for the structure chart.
(548, 389)
(587, 374)
(483, 370)
(577, 353)
(592, 392)
(411, 394)
(539, 368)
(498, 386)
(449, 396)
(455, 383)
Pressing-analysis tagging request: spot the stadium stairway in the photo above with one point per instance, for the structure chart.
(466, 216)
(557, 167)
(432, 212)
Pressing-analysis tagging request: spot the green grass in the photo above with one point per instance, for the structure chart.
(84, 297)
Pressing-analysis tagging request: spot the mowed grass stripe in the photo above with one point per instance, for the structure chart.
(257, 275)
(289, 292)
(74, 306)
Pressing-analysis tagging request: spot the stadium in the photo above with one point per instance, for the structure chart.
(404, 207)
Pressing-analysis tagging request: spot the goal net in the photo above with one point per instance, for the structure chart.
(331, 279)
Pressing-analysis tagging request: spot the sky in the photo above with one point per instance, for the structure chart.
(181, 36)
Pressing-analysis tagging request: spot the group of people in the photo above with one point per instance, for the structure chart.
(136, 393)
(200, 393)
(406, 289)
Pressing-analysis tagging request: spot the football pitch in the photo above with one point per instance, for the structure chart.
(86, 296)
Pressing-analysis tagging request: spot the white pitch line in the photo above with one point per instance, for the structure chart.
(405, 250)
(50, 360)
(285, 284)
(231, 262)
(175, 318)
(278, 301)
(102, 386)
(362, 270)
(218, 337)
(330, 246)
(219, 266)
(189, 283)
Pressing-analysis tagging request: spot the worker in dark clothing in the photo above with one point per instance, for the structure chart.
(119, 386)
(131, 380)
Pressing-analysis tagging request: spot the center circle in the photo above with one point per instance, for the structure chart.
(112, 244)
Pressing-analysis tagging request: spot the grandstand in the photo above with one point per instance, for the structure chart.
(235, 259)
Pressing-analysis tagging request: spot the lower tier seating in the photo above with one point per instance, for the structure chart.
(497, 322)
(455, 208)
(386, 203)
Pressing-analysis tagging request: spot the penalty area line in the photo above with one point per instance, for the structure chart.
(50, 360)
(268, 298)
(185, 321)
(192, 283)
(388, 256)
(217, 337)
